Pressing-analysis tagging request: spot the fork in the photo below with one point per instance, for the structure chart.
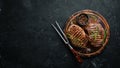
(66, 41)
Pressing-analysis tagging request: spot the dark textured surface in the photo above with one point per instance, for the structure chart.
(27, 39)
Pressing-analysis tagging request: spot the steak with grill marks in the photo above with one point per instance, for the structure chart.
(77, 36)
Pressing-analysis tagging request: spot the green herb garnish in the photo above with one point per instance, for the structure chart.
(95, 33)
(105, 35)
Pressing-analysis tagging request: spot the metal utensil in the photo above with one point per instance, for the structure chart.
(66, 41)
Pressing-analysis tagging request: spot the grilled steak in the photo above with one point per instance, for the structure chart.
(95, 32)
(77, 36)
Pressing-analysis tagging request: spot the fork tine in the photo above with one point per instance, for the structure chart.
(61, 31)
(67, 41)
(59, 34)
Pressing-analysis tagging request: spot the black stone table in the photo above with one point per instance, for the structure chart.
(27, 39)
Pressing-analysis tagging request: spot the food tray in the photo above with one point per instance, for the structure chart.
(102, 21)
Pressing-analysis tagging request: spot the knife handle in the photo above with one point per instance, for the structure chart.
(77, 56)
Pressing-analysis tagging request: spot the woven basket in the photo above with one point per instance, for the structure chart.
(104, 22)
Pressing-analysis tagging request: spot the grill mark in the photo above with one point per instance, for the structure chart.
(76, 34)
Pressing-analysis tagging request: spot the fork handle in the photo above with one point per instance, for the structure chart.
(77, 56)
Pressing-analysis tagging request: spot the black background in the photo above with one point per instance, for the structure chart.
(27, 39)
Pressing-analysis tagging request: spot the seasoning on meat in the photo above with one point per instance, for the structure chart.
(77, 36)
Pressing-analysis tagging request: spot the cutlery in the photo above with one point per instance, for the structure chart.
(66, 41)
